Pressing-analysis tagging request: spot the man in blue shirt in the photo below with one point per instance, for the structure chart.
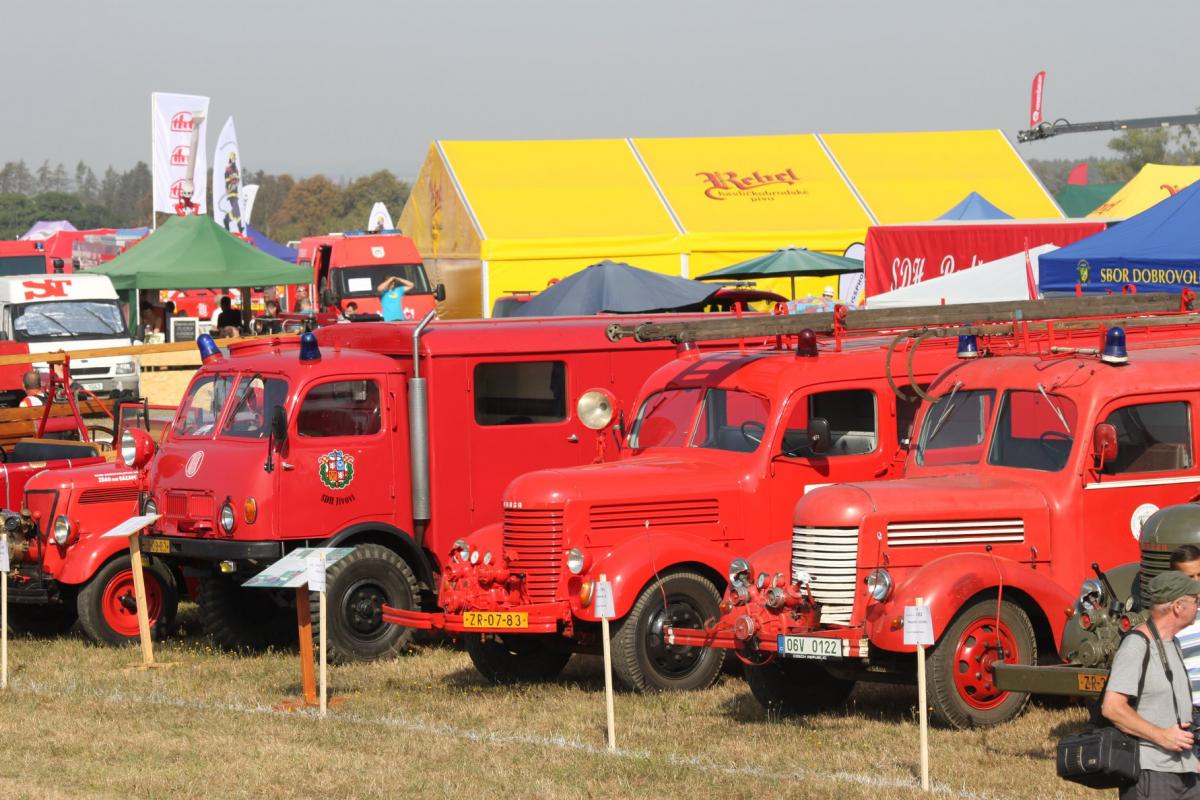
(391, 297)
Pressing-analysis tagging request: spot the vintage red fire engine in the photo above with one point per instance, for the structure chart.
(721, 448)
(1027, 468)
(342, 438)
(62, 570)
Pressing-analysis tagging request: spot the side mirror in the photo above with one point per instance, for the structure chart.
(328, 298)
(818, 435)
(439, 292)
(1104, 444)
(279, 426)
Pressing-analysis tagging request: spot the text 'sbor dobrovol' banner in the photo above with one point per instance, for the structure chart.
(172, 119)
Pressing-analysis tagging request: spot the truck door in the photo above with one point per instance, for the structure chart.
(522, 420)
(860, 448)
(337, 468)
(1155, 466)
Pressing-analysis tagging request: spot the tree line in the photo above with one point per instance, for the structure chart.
(286, 208)
(1134, 149)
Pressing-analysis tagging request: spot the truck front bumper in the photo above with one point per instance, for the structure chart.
(1070, 680)
(540, 618)
(206, 549)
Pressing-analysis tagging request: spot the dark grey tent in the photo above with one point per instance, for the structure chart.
(616, 288)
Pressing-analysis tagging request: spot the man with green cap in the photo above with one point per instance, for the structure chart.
(1148, 692)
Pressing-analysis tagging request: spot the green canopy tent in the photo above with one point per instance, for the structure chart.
(788, 262)
(196, 253)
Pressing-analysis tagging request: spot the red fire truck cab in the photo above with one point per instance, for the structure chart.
(349, 267)
(722, 446)
(1027, 469)
(342, 438)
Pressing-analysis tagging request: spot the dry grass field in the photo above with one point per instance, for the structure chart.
(79, 723)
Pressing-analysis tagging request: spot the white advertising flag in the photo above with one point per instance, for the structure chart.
(249, 192)
(171, 136)
(380, 219)
(227, 181)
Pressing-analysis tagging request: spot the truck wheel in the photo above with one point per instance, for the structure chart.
(243, 619)
(791, 686)
(44, 620)
(520, 658)
(107, 603)
(641, 656)
(962, 688)
(357, 587)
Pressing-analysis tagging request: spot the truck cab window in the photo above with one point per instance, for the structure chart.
(1035, 430)
(200, 410)
(953, 430)
(520, 392)
(254, 398)
(1152, 437)
(339, 408)
(853, 423)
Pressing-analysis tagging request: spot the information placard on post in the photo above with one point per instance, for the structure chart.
(918, 625)
(130, 529)
(918, 631)
(604, 600)
(605, 611)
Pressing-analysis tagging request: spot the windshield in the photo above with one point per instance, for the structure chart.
(1034, 430)
(718, 419)
(254, 400)
(23, 265)
(361, 281)
(954, 429)
(200, 410)
(63, 319)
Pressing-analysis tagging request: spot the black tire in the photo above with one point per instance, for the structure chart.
(241, 619)
(790, 686)
(51, 619)
(641, 657)
(959, 679)
(357, 587)
(108, 609)
(519, 658)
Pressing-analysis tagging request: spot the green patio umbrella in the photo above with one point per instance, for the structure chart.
(789, 262)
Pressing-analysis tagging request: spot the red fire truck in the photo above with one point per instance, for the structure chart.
(348, 268)
(722, 447)
(1027, 469)
(342, 438)
(26, 257)
(62, 570)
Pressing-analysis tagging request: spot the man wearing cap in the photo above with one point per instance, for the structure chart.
(1157, 716)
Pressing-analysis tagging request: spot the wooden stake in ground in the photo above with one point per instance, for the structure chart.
(308, 679)
(132, 529)
(605, 611)
(4, 567)
(316, 583)
(918, 631)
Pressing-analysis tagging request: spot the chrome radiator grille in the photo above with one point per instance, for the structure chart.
(533, 540)
(829, 557)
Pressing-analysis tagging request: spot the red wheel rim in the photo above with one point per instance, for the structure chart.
(974, 656)
(118, 604)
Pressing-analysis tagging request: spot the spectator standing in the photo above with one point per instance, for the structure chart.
(391, 297)
(32, 381)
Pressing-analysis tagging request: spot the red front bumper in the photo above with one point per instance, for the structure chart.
(720, 637)
(542, 618)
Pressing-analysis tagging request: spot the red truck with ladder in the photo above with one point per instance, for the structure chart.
(392, 438)
(720, 450)
(1028, 467)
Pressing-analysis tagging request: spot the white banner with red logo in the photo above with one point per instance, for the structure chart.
(227, 181)
(904, 255)
(170, 136)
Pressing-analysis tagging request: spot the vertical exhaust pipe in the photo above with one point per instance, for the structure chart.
(418, 435)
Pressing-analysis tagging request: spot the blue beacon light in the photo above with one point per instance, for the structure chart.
(208, 348)
(1114, 346)
(968, 346)
(309, 351)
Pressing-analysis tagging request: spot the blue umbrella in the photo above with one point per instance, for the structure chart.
(616, 288)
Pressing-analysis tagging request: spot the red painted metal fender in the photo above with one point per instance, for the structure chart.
(947, 583)
(82, 558)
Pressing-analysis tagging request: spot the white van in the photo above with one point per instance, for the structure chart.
(71, 312)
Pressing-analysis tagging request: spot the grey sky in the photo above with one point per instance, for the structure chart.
(348, 87)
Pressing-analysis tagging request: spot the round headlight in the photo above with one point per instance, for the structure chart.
(595, 409)
(228, 518)
(62, 530)
(740, 573)
(1091, 595)
(460, 548)
(576, 561)
(150, 508)
(879, 584)
(128, 449)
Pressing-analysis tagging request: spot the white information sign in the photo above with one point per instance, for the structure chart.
(291, 571)
(131, 525)
(604, 600)
(918, 625)
(4, 567)
(316, 572)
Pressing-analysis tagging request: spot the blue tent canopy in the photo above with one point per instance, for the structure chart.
(616, 288)
(1156, 251)
(975, 206)
(270, 247)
